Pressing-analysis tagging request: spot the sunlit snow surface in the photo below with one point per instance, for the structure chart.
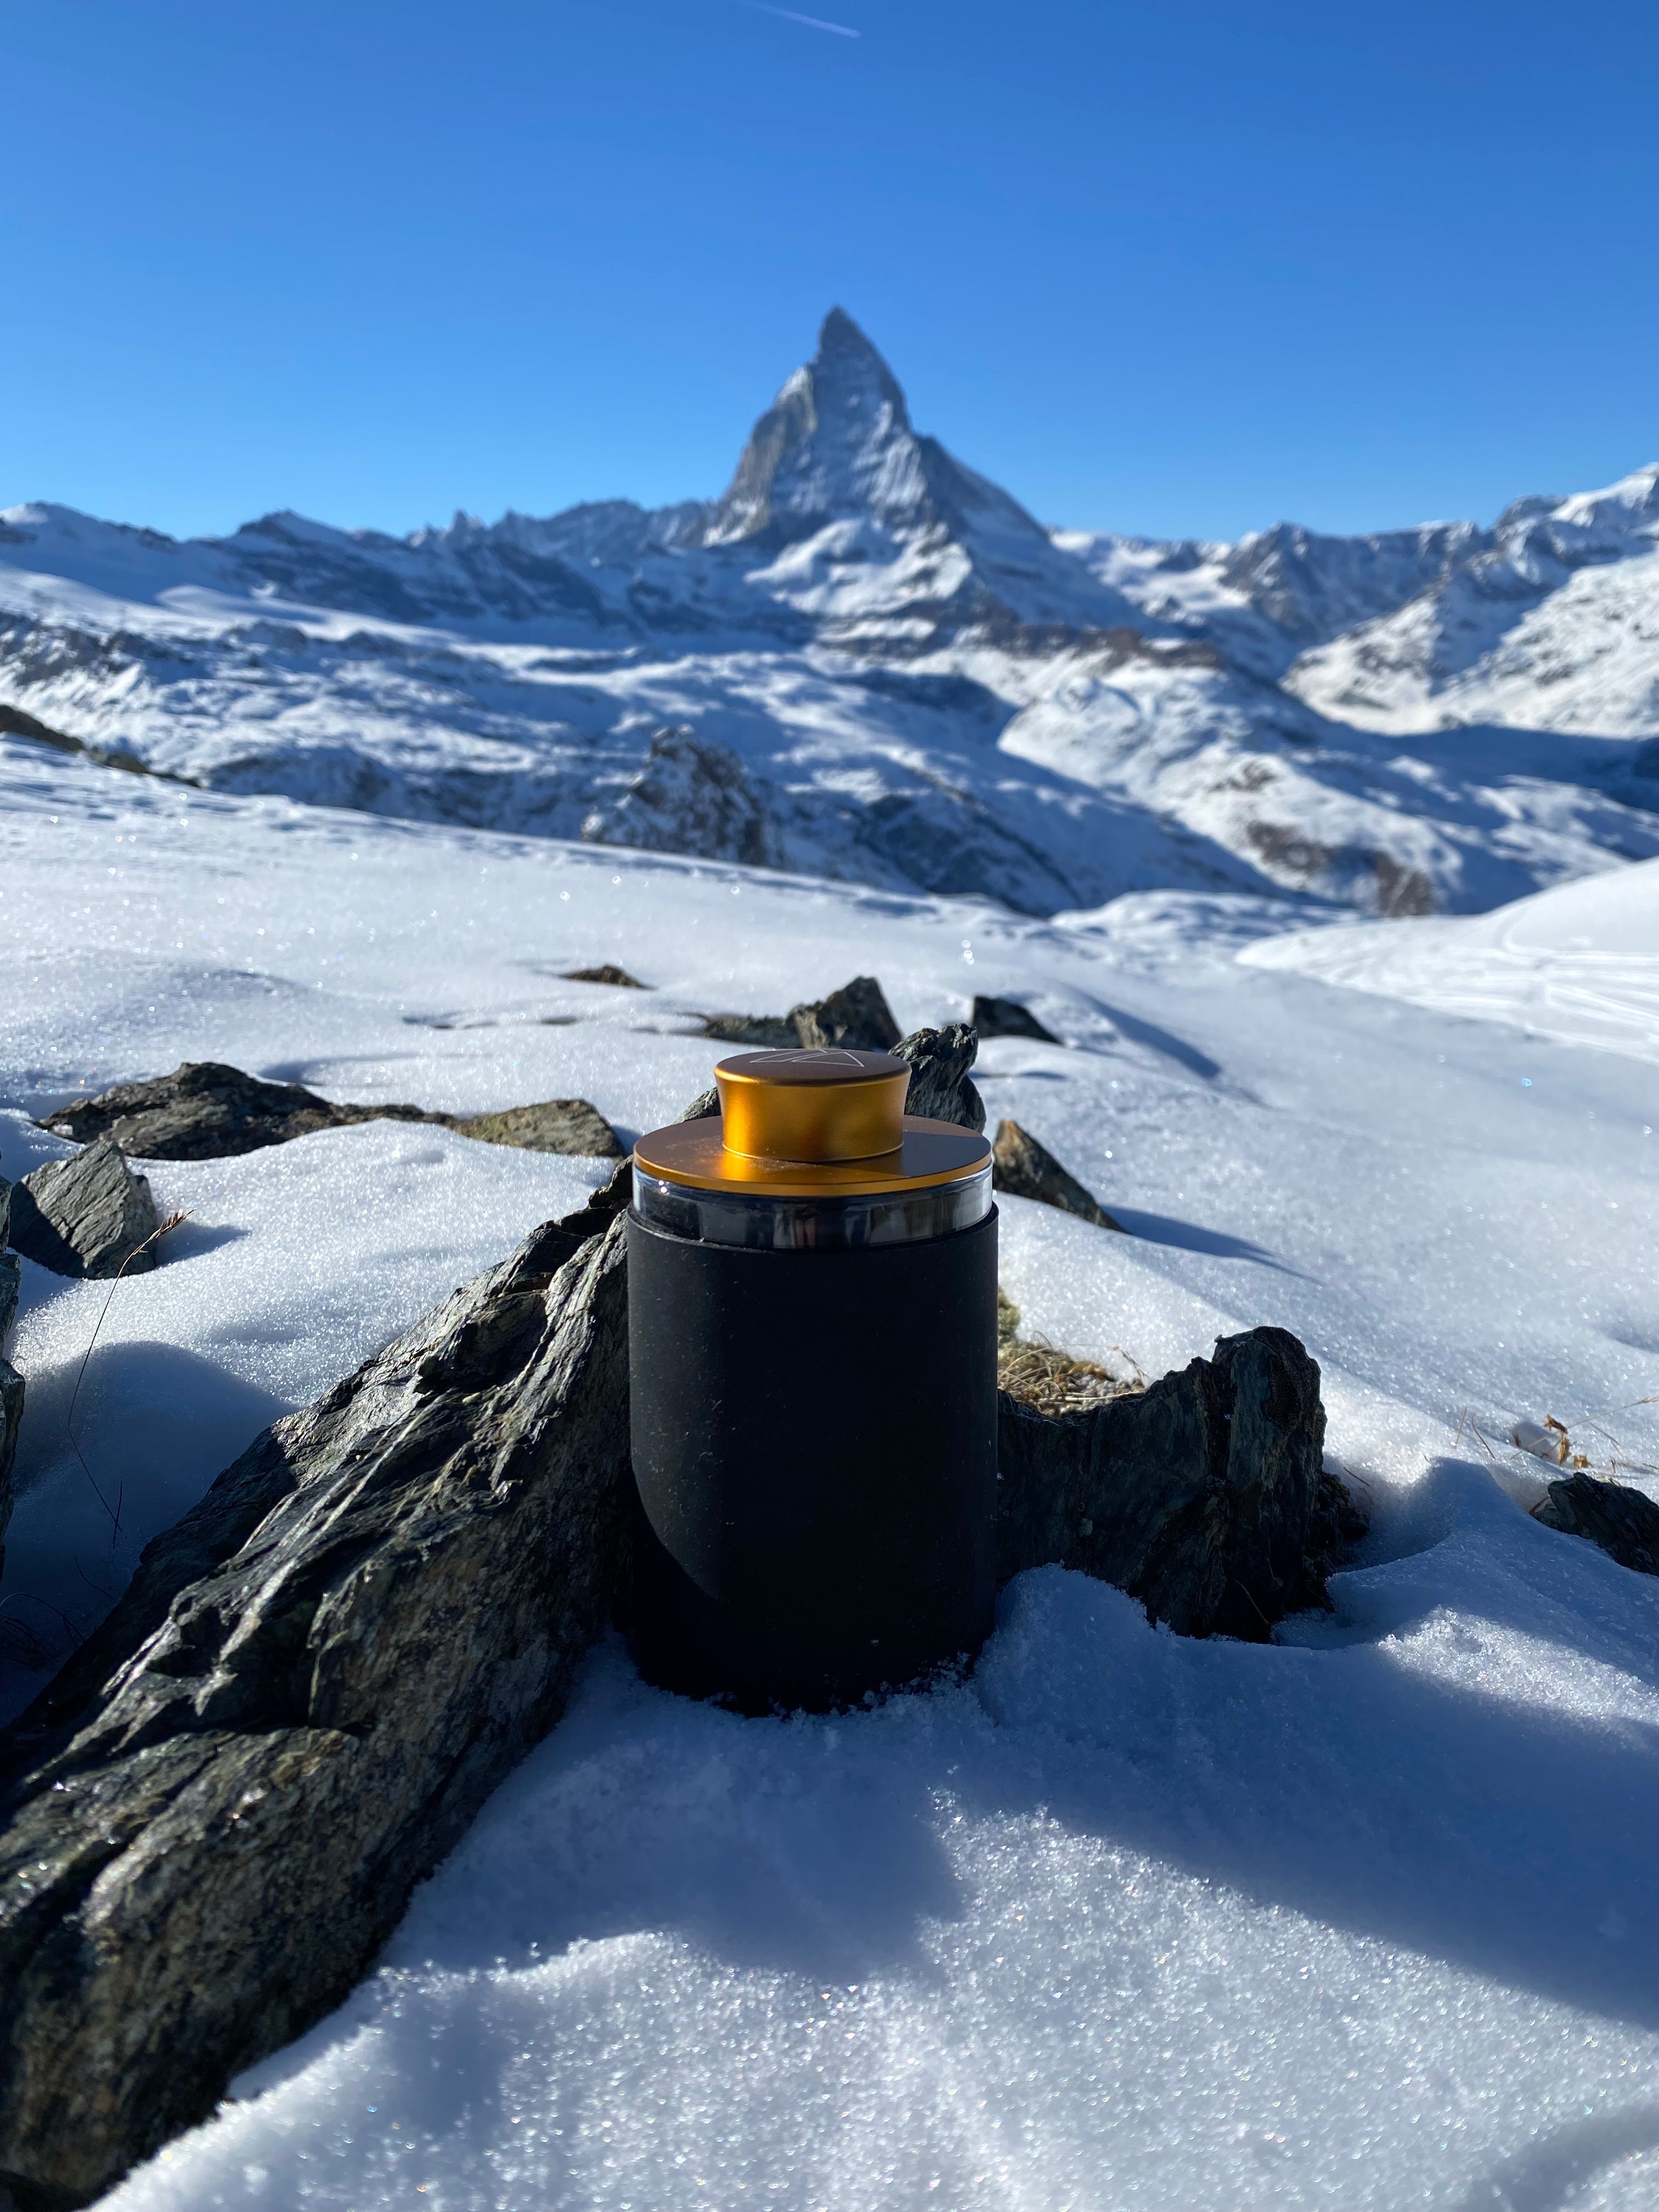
(1365, 1918)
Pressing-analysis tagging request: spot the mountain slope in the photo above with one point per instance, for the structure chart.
(866, 660)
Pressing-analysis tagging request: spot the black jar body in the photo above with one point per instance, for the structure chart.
(814, 1444)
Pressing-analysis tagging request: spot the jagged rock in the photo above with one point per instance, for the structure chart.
(1006, 1018)
(606, 972)
(308, 1690)
(88, 1215)
(1025, 1168)
(692, 795)
(857, 1016)
(10, 1281)
(205, 1110)
(940, 1088)
(1623, 1521)
(559, 1125)
(1203, 1496)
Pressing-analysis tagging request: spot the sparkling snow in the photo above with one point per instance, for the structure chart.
(1365, 1918)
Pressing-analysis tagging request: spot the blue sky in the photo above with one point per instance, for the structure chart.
(1182, 269)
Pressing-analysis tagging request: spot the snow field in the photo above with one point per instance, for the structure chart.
(1361, 1919)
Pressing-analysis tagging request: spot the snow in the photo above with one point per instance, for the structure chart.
(1363, 1918)
(1578, 964)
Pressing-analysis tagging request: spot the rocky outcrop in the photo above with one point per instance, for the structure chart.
(310, 1687)
(88, 1215)
(940, 1088)
(205, 1110)
(559, 1125)
(1203, 1496)
(1025, 1168)
(1006, 1018)
(690, 795)
(1623, 1521)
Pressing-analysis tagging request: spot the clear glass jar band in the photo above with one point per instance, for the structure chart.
(757, 1222)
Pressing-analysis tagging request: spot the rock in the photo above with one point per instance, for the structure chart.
(1623, 1521)
(88, 1215)
(940, 1088)
(690, 795)
(618, 977)
(857, 1016)
(1006, 1018)
(207, 1111)
(312, 1685)
(766, 1032)
(1203, 1496)
(1025, 1168)
(560, 1125)
(11, 1283)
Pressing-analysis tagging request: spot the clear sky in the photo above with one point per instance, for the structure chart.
(1178, 268)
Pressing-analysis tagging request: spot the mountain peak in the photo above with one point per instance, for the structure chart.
(836, 442)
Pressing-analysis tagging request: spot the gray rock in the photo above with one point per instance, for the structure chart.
(1025, 1168)
(205, 1110)
(1623, 1521)
(1006, 1018)
(10, 1282)
(857, 1016)
(607, 972)
(559, 1125)
(88, 1215)
(1203, 1496)
(766, 1032)
(311, 1685)
(939, 1089)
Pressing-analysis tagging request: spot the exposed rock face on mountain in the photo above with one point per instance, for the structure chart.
(88, 1215)
(867, 661)
(691, 796)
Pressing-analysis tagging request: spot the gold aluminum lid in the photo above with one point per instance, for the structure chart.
(804, 1124)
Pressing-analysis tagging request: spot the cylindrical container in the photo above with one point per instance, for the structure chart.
(813, 1338)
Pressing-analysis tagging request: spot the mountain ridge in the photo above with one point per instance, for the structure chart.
(865, 659)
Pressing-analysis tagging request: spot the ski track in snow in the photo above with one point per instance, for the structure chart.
(1358, 1921)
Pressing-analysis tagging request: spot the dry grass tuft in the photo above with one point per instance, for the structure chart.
(1052, 1382)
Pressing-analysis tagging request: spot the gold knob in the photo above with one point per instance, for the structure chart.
(812, 1105)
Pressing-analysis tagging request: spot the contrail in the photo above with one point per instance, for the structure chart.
(812, 22)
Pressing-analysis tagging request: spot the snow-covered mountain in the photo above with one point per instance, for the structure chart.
(867, 661)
